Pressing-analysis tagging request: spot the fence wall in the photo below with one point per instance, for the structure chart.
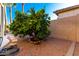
(65, 28)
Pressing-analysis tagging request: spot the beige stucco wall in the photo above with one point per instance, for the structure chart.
(69, 13)
(0, 22)
(66, 28)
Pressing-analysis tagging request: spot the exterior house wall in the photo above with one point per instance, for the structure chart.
(4, 41)
(69, 13)
(0, 21)
(65, 28)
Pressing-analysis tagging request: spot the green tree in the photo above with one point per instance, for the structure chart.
(10, 5)
(34, 24)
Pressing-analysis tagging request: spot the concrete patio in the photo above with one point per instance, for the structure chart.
(76, 51)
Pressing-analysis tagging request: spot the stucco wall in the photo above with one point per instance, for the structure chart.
(69, 13)
(0, 14)
(66, 28)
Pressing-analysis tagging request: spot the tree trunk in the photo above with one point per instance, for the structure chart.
(22, 7)
(5, 15)
(10, 15)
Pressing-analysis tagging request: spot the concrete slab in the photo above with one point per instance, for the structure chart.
(71, 49)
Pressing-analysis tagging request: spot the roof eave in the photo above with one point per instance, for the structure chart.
(66, 9)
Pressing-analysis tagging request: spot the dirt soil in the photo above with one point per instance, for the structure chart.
(50, 47)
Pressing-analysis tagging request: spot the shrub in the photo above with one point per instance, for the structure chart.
(33, 23)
